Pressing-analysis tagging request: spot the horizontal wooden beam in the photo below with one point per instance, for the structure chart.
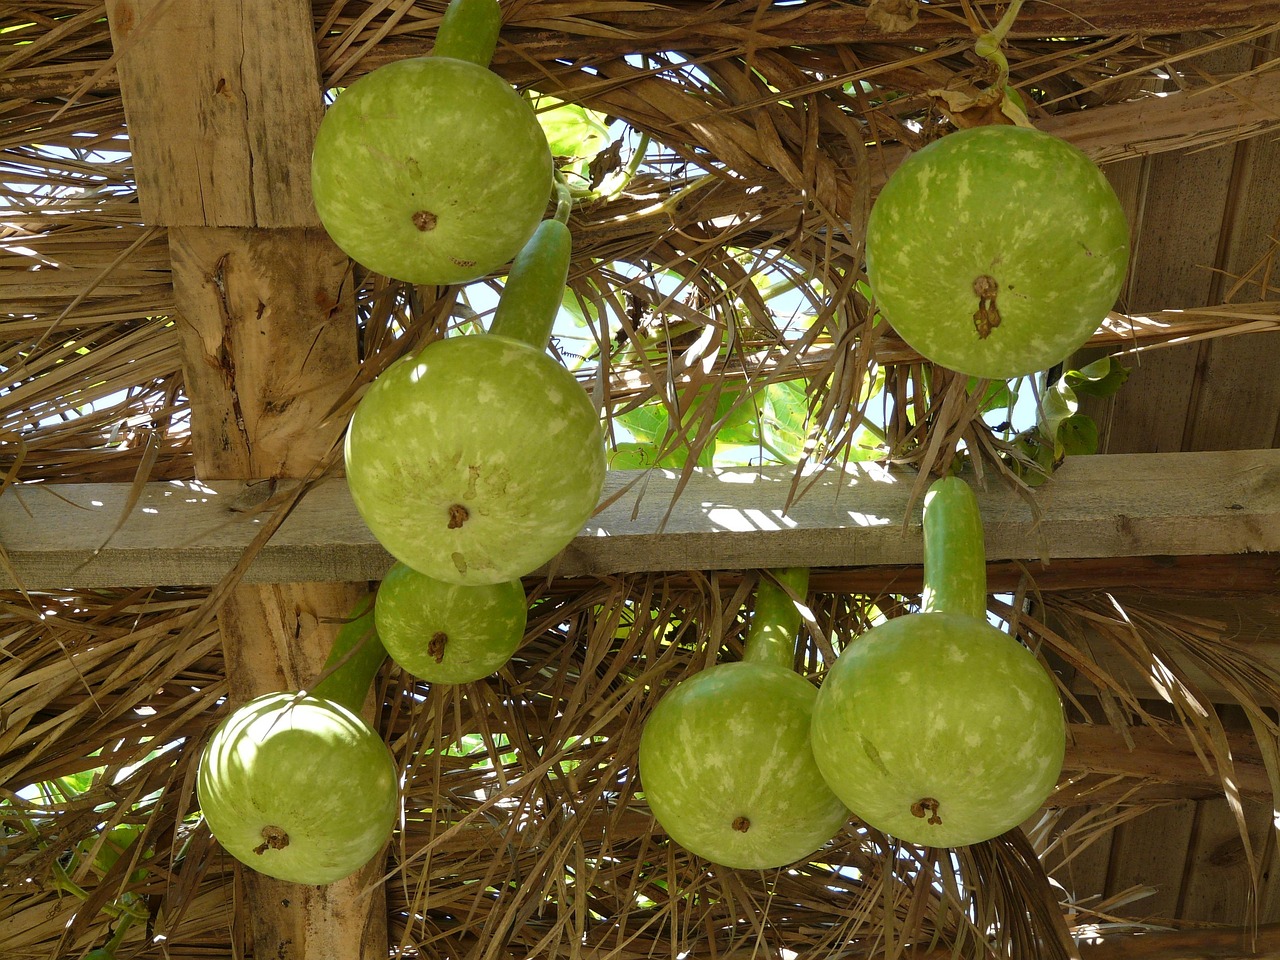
(536, 38)
(532, 37)
(1217, 943)
(1221, 578)
(1108, 506)
(1259, 943)
(1159, 758)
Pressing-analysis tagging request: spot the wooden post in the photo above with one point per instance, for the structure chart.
(223, 99)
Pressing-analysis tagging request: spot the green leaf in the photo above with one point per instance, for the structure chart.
(1040, 453)
(867, 445)
(742, 419)
(572, 130)
(785, 419)
(1059, 403)
(647, 423)
(1101, 378)
(1077, 434)
(999, 395)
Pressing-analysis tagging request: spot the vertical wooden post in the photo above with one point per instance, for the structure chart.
(223, 98)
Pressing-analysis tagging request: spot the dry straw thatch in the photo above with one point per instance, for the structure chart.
(522, 834)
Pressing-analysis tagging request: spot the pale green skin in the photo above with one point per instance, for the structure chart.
(304, 767)
(939, 706)
(439, 135)
(481, 625)
(730, 742)
(1015, 204)
(487, 423)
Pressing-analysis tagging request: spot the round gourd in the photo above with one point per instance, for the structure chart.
(447, 632)
(996, 251)
(939, 729)
(936, 727)
(476, 460)
(298, 787)
(726, 767)
(431, 170)
(725, 762)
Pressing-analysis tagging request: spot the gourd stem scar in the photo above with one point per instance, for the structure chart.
(987, 317)
(436, 645)
(927, 807)
(273, 838)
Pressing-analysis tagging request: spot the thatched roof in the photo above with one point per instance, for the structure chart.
(760, 135)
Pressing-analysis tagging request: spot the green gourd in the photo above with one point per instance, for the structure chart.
(936, 727)
(434, 170)
(448, 632)
(297, 785)
(725, 763)
(997, 250)
(479, 458)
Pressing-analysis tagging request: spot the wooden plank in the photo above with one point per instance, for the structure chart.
(1233, 374)
(1178, 233)
(1222, 579)
(265, 322)
(1104, 506)
(194, 77)
(1218, 888)
(1232, 943)
(1151, 851)
(645, 28)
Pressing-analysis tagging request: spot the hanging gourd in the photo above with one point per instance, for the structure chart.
(434, 169)
(936, 727)
(725, 763)
(297, 785)
(448, 632)
(479, 458)
(996, 250)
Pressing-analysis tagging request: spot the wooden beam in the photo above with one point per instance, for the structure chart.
(223, 99)
(1262, 943)
(1198, 577)
(232, 162)
(533, 37)
(1222, 503)
(1156, 757)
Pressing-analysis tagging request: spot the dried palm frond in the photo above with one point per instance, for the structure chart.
(722, 260)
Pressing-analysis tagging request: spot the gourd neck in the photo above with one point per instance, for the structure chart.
(955, 561)
(775, 621)
(534, 290)
(354, 659)
(469, 31)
